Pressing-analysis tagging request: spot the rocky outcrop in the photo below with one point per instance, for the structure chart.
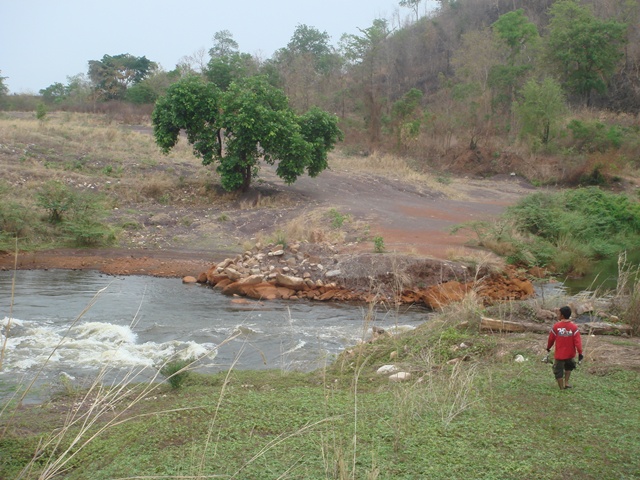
(319, 272)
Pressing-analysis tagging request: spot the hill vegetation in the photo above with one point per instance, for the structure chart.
(553, 83)
(547, 91)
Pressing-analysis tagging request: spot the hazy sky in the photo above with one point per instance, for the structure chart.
(45, 41)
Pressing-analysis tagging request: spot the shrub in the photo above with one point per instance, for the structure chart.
(565, 231)
(13, 218)
(585, 213)
(176, 372)
(595, 136)
(85, 232)
(594, 178)
(56, 198)
(378, 244)
(337, 218)
(41, 111)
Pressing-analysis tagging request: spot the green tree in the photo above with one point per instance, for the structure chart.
(306, 66)
(54, 93)
(227, 64)
(365, 52)
(406, 116)
(112, 75)
(517, 32)
(540, 108)
(314, 44)
(517, 35)
(253, 120)
(4, 90)
(582, 49)
(78, 89)
(148, 90)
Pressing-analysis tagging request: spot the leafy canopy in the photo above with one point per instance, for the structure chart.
(253, 121)
(112, 75)
(583, 49)
(311, 43)
(227, 64)
(516, 31)
(541, 108)
(4, 90)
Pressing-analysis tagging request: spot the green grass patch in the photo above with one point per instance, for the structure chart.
(278, 424)
(337, 218)
(566, 231)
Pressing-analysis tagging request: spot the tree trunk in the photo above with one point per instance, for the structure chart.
(246, 178)
(547, 132)
(590, 328)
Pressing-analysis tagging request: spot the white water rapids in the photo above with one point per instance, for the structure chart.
(74, 323)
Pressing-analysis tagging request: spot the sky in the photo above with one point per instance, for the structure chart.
(44, 41)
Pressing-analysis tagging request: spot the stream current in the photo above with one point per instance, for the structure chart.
(75, 323)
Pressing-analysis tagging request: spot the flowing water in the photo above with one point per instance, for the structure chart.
(75, 323)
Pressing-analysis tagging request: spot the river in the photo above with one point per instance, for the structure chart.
(75, 323)
(606, 273)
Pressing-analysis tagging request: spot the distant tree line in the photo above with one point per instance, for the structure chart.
(473, 68)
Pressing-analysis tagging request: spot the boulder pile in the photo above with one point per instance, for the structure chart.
(320, 272)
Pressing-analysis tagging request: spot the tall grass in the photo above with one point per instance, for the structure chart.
(564, 231)
(627, 293)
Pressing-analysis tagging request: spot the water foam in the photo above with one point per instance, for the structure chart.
(106, 332)
(91, 345)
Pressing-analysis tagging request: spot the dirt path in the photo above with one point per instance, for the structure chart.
(412, 219)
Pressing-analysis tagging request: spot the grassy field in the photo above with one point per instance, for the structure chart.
(489, 417)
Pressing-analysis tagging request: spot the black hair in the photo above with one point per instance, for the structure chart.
(565, 312)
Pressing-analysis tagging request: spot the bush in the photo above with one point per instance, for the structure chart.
(76, 214)
(176, 372)
(337, 218)
(585, 213)
(56, 198)
(85, 232)
(13, 218)
(595, 136)
(378, 244)
(566, 231)
(41, 111)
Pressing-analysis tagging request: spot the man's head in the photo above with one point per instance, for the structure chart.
(565, 313)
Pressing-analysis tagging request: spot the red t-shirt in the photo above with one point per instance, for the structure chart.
(566, 336)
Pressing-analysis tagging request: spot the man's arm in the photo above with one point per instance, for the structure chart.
(551, 340)
(577, 341)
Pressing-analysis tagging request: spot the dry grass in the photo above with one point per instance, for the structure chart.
(158, 185)
(315, 226)
(390, 166)
(477, 259)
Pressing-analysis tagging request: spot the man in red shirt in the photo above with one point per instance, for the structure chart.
(567, 339)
